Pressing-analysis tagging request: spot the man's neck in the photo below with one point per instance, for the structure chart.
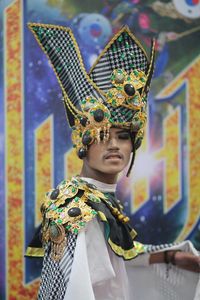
(103, 187)
(99, 176)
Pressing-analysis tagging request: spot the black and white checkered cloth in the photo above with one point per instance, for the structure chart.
(156, 248)
(56, 274)
(123, 53)
(120, 114)
(62, 50)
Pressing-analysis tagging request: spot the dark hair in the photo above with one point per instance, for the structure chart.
(134, 152)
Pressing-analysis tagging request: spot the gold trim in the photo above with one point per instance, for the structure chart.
(127, 254)
(140, 247)
(66, 29)
(102, 216)
(133, 233)
(150, 65)
(151, 57)
(34, 252)
(114, 38)
(67, 101)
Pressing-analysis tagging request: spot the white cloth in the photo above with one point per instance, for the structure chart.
(151, 281)
(99, 274)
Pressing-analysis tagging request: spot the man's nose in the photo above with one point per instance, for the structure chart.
(112, 143)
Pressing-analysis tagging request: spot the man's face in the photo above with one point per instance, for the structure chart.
(112, 156)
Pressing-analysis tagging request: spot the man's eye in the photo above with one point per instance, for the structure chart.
(124, 135)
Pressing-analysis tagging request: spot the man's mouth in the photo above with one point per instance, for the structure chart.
(113, 156)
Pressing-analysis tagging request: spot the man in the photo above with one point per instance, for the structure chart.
(87, 238)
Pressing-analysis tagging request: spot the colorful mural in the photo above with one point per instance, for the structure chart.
(161, 195)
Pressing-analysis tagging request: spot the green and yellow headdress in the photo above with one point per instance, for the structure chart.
(114, 93)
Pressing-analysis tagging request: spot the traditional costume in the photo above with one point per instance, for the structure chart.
(88, 243)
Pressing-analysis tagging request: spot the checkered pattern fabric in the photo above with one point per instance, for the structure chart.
(156, 248)
(55, 274)
(120, 114)
(123, 53)
(60, 46)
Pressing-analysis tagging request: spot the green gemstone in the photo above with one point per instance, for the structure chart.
(111, 120)
(94, 212)
(92, 100)
(123, 56)
(110, 94)
(80, 134)
(128, 78)
(127, 45)
(68, 227)
(59, 68)
(112, 77)
(106, 115)
(132, 65)
(142, 79)
(63, 182)
(76, 199)
(135, 73)
(58, 49)
(75, 230)
(120, 38)
(73, 189)
(60, 209)
(83, 101)
(82, 223)
(119, 88)
(59, 221)
(48, 33)
(113, 113)
(40, 30)
(113, 102)
(114, 49)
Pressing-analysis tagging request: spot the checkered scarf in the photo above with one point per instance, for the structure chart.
(56, 274)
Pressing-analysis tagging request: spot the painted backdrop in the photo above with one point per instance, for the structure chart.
(162, 194)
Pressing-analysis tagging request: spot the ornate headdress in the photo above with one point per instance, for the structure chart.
(114, 93)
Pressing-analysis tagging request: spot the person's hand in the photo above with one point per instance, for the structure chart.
(184, 260)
